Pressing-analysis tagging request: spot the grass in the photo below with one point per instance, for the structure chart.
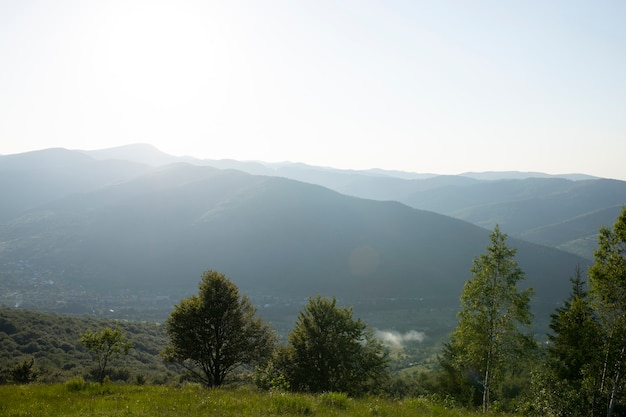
(81, 399)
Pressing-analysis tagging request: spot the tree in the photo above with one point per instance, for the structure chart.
(607, 278)
(572, 354)
(105, 345)
(488, 336)
(23, 372)
(330, 351)
(216, 331)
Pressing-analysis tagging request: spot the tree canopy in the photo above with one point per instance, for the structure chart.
(216, 331)
(488, 335)
(607, 278)
(105, 345)
(331, 351)
(565, 385)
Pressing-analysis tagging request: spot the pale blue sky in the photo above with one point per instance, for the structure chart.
(426, 86)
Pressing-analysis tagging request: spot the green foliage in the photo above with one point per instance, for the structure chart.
(271, 375)
(105, 346)
(575, 335)
(61, 356)
(336, 400)
(23, 372)
(283, 403)
(607, 278)
(330, 351)
(76, 384)
(565, 386)
(488, 341)
(585, 363)
(216, 331)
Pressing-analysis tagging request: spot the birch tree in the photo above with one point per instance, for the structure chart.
(607, 278)
(493, 311)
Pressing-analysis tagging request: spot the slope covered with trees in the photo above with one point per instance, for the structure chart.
(53, 342)
(145, 238)
(489, 360)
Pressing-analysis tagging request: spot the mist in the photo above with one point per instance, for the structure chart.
(395, 338)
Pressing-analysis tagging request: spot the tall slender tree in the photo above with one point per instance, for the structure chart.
(607, 279)
(493, 310)
(572, 354)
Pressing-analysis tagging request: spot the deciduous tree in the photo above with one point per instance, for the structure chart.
(331, 351)
(607, 279)
(493, 311)
(216, 331)
(105, 345)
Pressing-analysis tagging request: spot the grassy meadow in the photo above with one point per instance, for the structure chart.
(77, 398)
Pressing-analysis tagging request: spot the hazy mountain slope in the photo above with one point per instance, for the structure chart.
(149, 155)
(576, 235)
(32, 178)
(518, 175)
(549, 207)
(530, 208)
(157, 232)
(520, 206)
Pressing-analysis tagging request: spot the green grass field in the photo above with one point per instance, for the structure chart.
(76, 398)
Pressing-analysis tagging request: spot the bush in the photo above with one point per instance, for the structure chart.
(23, 372)
(338, 400)
(271, 376)
(283, 403)
(76, 384)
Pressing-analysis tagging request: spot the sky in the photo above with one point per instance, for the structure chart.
(446, 86)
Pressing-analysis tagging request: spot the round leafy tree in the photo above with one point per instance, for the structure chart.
(216, 331)
(330, 351)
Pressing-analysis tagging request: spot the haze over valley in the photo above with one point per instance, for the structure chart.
(126, 232)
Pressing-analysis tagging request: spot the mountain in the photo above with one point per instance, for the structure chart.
(32, 178)
(517, 175)
(562, 211)
(150, 236)
(147, 154)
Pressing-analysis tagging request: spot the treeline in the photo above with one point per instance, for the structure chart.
(491, 362)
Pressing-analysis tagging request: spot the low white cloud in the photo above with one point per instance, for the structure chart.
(395, 338)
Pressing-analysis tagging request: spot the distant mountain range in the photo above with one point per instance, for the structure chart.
(132, 220)
(561, 211)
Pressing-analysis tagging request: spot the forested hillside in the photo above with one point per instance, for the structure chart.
(53, 341)
(561, 211)
(143, 242)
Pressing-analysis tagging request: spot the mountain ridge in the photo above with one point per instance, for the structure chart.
(423, 191)
(156, 231)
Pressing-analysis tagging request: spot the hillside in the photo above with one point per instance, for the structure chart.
(146, 240)
(53, 341)
(33, 178)
(528, 205)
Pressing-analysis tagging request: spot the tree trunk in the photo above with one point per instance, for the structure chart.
(618, 367)
(486, 388)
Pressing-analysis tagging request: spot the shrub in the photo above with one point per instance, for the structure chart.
(338, 400)
(76, 384)
(283, 403)
(23, 372)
